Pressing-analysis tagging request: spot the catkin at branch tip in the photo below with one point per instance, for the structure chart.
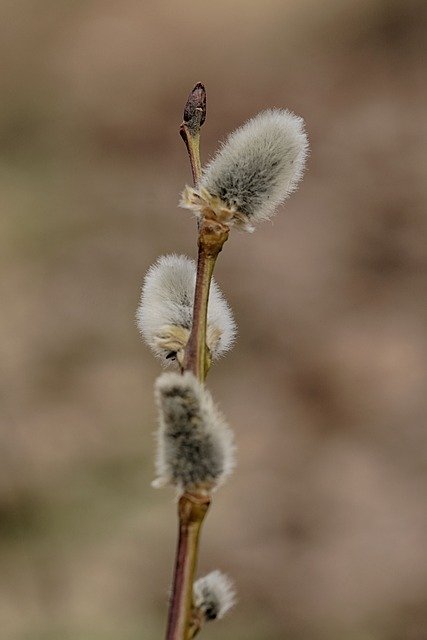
(164, 315)
(195, 449)
(214, 595)
(255, 170)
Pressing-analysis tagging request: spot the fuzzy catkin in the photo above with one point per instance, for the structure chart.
(164, 315)
(214, 595)
(255, 170)
(195, 445)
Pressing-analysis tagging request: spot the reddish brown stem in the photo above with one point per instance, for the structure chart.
(191, 512)
(192, 509)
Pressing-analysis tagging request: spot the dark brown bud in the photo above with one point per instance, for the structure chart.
(195, 108)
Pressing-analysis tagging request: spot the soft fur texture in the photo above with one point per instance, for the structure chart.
(214, 595)
(164, 315)
(195, 445)
(258, 166)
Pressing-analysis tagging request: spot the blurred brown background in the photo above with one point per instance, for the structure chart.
(323, 526)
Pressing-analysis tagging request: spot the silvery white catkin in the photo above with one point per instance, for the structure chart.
(214, 595)
(195, 449)
(255, 170)
(164, 315)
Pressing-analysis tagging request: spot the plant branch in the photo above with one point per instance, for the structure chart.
(191, 512)
(212, 236)
(192, 508)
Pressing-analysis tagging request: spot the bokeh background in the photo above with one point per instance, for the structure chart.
(323, 526)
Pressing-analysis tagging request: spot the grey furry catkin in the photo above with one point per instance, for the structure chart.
(255, 170)
(164, 315)
(214, 595)
(195, 445)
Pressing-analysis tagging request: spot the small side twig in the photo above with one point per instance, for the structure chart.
(196, 624)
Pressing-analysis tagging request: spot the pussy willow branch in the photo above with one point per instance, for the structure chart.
(191, 512)
(192, 508)
(211, 238)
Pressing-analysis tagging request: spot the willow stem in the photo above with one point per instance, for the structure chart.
(191, 513)
(212, 236)
(192, 509)
(192, 142)
(196, 354)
